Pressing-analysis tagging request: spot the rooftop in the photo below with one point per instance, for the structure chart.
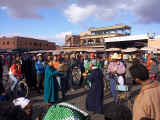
(23, 37)
(108, 28)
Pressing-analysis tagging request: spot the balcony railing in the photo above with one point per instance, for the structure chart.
(85, 44)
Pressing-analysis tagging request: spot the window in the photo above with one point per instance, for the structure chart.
(84, 42)
(35, 44)
(90, 42)
(3, 43)
(7, 42)
(98, 40)
(30, 43)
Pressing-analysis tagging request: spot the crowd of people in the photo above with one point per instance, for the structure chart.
(48, 74)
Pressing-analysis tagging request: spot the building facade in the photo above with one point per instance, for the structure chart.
(154, 43)
(124, 42)
(13, 43)
(94, 38)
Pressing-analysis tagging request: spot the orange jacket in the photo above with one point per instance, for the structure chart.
(16, 70)
(56, 65)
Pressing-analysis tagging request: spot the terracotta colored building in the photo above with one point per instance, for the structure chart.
(94, 38)
(154, 43)
(17, 42)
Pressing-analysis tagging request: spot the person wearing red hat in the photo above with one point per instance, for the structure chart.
(92, 56)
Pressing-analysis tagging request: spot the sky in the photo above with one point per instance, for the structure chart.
(53, 19)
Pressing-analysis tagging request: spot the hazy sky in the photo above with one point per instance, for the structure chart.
(53, 19)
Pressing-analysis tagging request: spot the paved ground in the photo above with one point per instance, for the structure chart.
(77, 98)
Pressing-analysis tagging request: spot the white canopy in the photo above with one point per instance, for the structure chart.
(127, 38)
(113, 49)
(148, 49)
(129, 50)
(90, 50)
(56, 52)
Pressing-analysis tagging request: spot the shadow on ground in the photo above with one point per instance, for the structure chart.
(76, 95)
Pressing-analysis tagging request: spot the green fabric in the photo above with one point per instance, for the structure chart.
(50, 85)
(62, 113)
(88, 81)
(87, 65)
(98, 64)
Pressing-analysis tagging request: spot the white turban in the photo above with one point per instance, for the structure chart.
(22, 102)
(39, 54)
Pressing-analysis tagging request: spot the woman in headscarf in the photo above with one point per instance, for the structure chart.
(94, 100)
(50, 84)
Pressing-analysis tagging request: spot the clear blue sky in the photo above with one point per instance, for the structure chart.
(53, 19)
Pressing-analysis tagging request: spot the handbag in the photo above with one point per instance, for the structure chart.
(121, 80)
(123, 88)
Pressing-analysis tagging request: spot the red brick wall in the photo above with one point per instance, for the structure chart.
(26, 43)
(7, 43)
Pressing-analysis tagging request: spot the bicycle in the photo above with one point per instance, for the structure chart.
(21, 88)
